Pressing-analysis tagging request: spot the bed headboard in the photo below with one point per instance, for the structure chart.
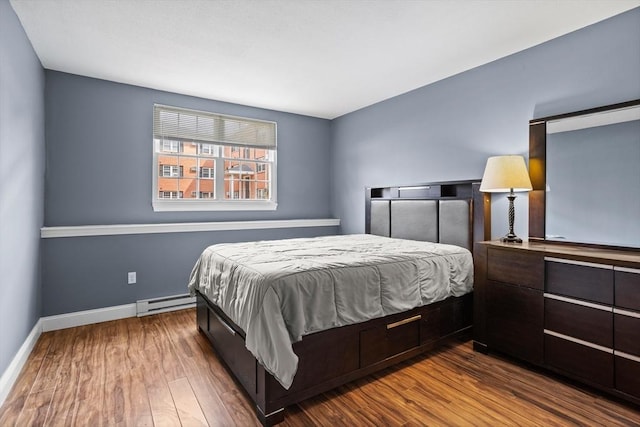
(455, 213)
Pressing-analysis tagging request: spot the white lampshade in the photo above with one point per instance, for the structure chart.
(504, 174)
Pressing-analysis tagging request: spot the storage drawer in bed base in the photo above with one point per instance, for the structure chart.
(334, 357)
(229, 344)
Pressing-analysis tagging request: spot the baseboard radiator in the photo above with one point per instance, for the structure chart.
(146, 307)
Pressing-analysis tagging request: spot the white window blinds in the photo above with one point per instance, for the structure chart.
(172, 123)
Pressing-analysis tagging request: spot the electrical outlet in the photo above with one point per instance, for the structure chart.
(131, 277)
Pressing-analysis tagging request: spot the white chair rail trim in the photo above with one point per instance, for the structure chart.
(182, 227)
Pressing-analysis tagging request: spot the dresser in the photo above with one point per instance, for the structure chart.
(571, 309)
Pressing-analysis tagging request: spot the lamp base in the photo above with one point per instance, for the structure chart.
(511, 238)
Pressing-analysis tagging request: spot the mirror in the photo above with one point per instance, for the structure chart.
(592, 177)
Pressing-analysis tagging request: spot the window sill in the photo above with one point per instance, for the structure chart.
(209, 205)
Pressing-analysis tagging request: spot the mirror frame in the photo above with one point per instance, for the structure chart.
(538, 170)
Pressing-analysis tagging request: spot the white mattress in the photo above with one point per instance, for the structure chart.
(279, 291)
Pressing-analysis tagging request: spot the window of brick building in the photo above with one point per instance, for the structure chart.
(170, 195)
(208, 161)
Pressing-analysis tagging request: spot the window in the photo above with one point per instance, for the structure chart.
(170, 195)
(262, 193)
(170, 171)
(208, 149)
(206, 172)
(171, 146)
(202, 194)
(217, 162)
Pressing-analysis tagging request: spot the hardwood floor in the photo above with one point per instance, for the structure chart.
(159, 371)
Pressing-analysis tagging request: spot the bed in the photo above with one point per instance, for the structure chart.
(289, 318)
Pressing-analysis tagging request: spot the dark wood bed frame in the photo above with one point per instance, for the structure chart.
(334, 357)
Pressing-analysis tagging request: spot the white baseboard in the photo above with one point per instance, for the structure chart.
(87, 317)
(10, 375)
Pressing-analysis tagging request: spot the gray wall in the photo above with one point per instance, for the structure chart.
(99, 171)
(446, 130)
(99, 155)
(91, 272)
(21, 184)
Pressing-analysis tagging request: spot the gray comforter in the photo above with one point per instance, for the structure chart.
(278, 291)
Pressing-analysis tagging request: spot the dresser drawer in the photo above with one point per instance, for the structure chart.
(590, 282)
(593, 324)
(590, 364)
(627, 334)
(515, 267)
(627, 288)
(628, 376)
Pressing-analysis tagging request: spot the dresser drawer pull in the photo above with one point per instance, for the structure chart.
(579, 302)
(627, 270)
(404, 321)
(582, 263)
(626, 355)
(579, 341)
(626, 313)
(226, 326)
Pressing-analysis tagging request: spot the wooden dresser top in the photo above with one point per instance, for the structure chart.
(618, 257)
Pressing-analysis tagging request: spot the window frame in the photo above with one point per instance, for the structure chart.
(215, 153)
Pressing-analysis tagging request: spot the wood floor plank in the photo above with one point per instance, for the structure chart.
(11, 409)
(93, 365)
(63, 408)
(543, 393)
(196, 361)
(159, 370)
(187, 405)
(212, 405)
(27, 378)
(91, 409)
(163, 409)
(47, 377)
(35, 409)
(507, 394)
(470, 391)
(164, 348)
(126, 401)
(239, 408)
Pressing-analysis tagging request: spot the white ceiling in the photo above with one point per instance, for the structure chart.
(322, 58)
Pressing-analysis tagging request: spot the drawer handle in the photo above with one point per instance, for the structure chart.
(582, 263)
(626, 355)
(626, 313)
(578, 302)
(404, 321)
(578, 341)
(226, 326)
(627, 270)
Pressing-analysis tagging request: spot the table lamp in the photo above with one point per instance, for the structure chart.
(506, 174)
